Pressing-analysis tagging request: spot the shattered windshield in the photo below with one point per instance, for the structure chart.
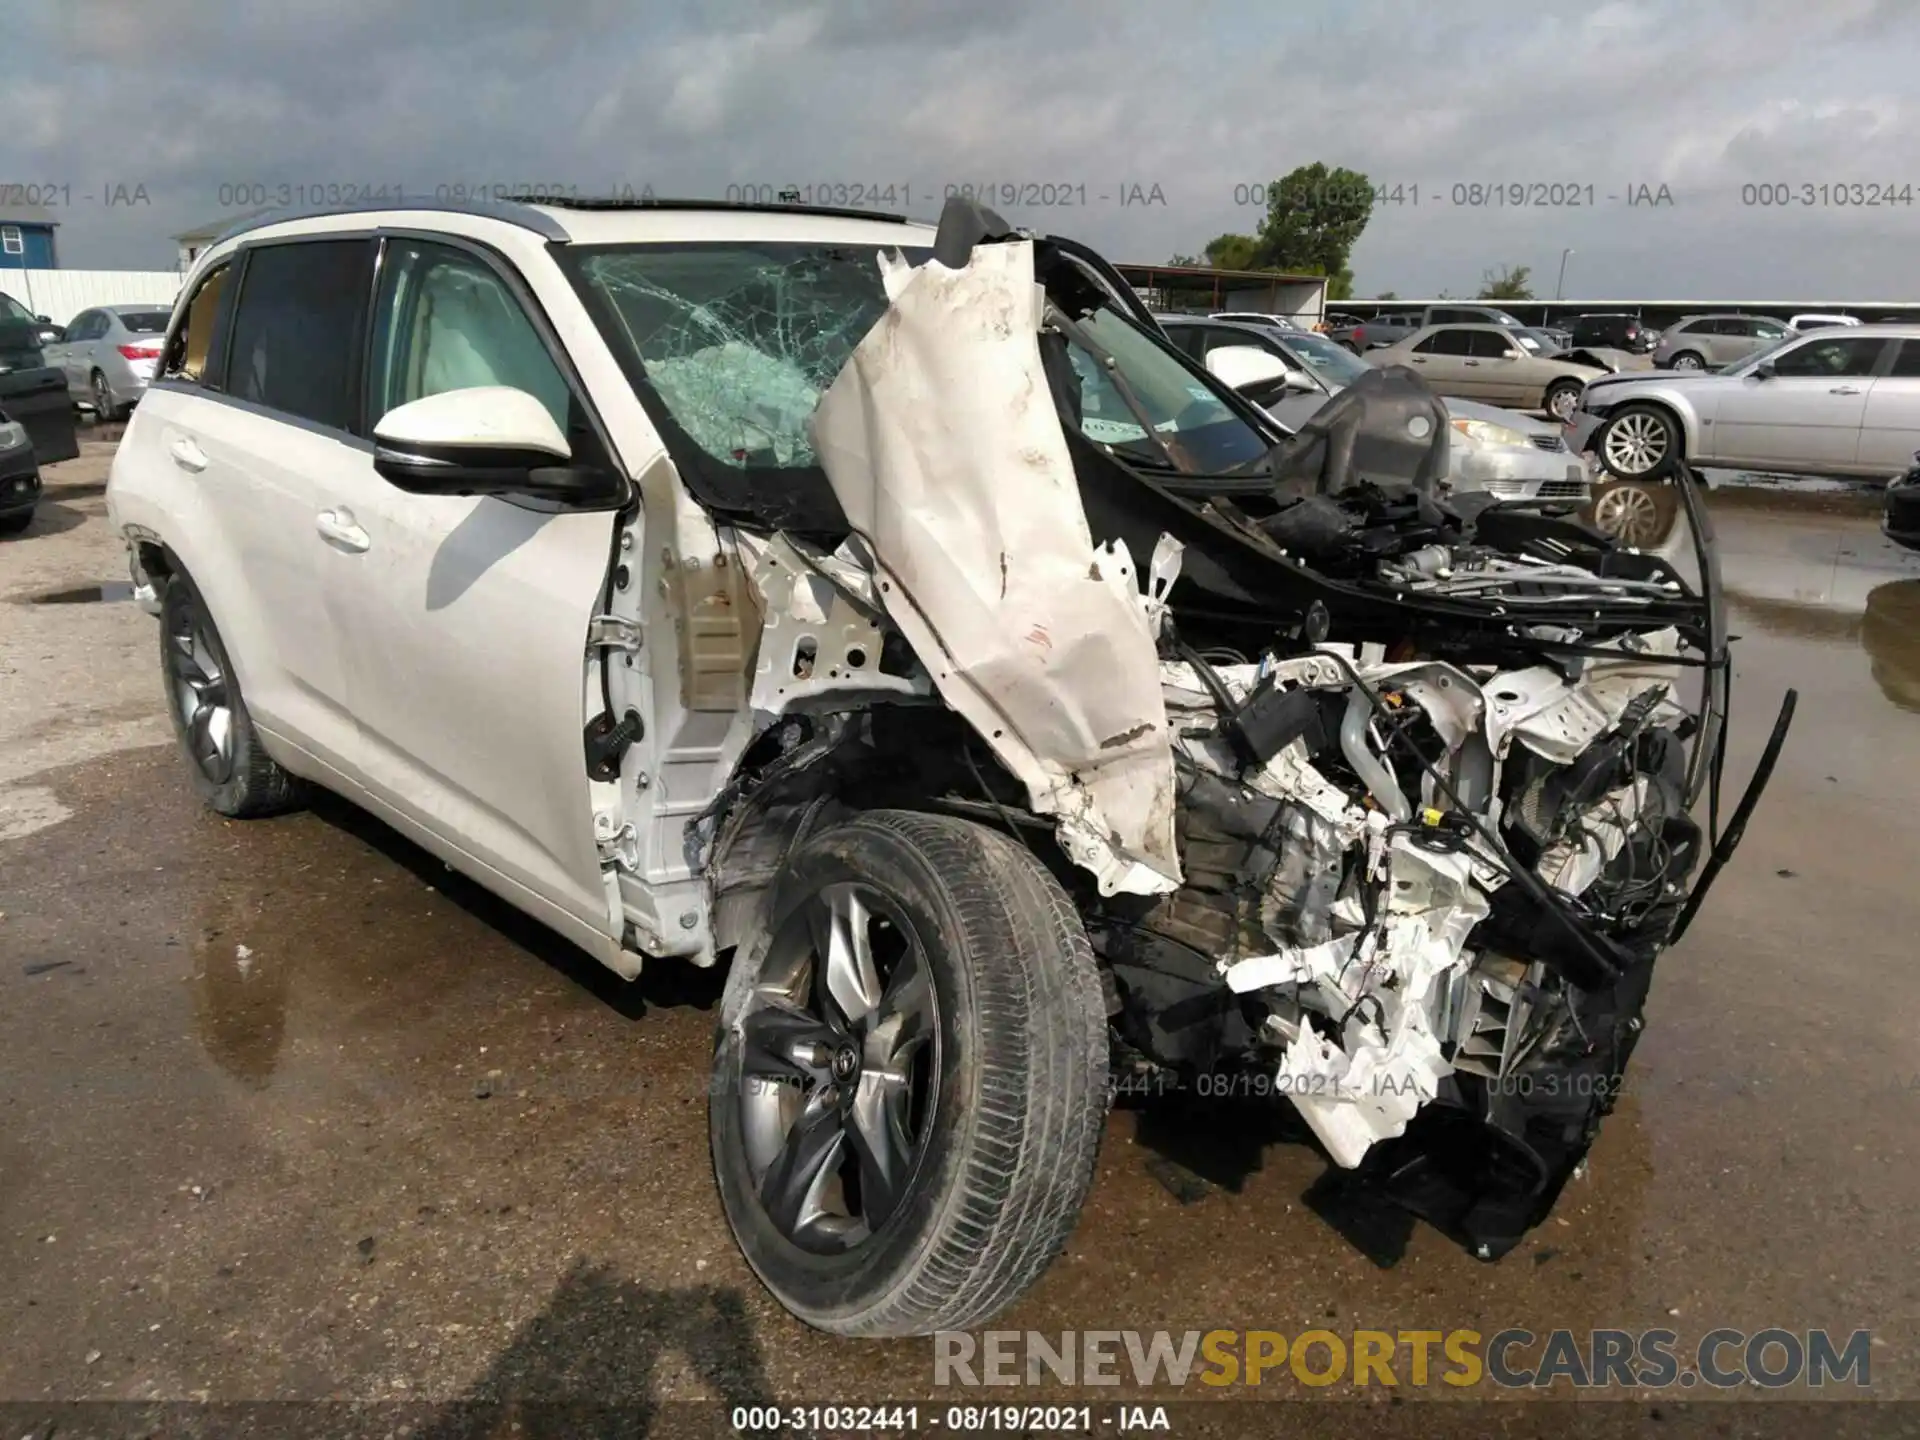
(1198, 429)
(739, 340)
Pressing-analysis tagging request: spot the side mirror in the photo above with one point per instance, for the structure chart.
(1763, 371)
(1512, 354)
(1247, 367)
(52, 334)
(43, 319)
(486, 440)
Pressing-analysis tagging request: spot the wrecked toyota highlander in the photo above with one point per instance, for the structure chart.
(891, 615)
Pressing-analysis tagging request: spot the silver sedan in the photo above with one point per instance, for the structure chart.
(109, 354)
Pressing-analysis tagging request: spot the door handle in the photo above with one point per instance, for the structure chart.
(1473, 362)
(339, 527)
(187, 455)
(1844, 390)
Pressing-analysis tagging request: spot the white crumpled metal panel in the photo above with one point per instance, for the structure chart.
(942, 443)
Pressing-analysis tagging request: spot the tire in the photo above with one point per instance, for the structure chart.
(16, 524)
(1688, 360)
(1639, 442)
(103, 407)
(995, 1142)
(1562, 399)
(231, 771)
(1636, 513)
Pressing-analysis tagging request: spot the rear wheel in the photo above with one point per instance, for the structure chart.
(230, 769)
(1640, 442)
(16, 524)
(103, 406)
(910, 1077)
(1562, 399)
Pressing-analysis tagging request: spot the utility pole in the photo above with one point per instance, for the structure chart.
(1560, 285)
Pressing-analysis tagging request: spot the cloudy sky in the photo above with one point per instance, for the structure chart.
(205, 105)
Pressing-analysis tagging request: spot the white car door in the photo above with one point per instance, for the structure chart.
(463, 620)
(1890, 429)
(1805, 416)
(254, 405)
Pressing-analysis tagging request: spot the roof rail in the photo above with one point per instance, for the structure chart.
(514, 212)
(526, 211)
(657, 202)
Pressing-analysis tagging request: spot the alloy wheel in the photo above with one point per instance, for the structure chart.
(102, 398)
(1636, 444)
(839, 1067)
(1628, 513)
(1687, 362)
(198, 683)
(1562, 403)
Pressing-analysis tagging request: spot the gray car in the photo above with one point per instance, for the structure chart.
(1706, 342)
(109, 354)
(1843, 402)
(1510, 455)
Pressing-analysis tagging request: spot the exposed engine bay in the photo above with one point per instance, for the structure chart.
(1380, 791)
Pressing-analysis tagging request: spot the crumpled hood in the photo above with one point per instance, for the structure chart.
(942, 444)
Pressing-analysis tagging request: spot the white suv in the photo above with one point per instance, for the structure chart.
(758, 586)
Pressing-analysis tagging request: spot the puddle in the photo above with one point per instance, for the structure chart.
(106, 591)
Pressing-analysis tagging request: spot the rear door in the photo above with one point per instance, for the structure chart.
(1502, 377)
(1441, 358)
(62, 353)
(1806, 416)
(1890, 428)
(256, 442)
(463, 620)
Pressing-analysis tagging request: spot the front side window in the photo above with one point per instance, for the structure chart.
(1489, 344)
(1906, 365)
(446, 321)
(1203, 432)
(12, 309)
(296, 334)
(1831, 359)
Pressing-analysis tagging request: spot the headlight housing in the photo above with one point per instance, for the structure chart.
(13, 435)
(1486, 432)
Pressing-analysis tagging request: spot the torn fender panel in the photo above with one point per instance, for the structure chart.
(944, 448)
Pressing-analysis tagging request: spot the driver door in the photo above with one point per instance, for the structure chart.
(463, 621)
(1806, 415)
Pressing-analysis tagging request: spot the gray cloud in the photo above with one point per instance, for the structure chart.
(1091, 98)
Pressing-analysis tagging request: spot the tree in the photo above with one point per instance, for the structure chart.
(1185, 262)
(1387, 295)
(1510, 283)
(1315, 216)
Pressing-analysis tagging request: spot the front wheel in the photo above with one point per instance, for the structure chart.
(1640, 442)
(1562, 399)
(1687, 360)
(909, 1077)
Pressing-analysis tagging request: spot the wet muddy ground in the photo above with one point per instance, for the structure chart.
(290, 1111)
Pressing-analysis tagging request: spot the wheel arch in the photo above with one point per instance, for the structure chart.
(1681, 416)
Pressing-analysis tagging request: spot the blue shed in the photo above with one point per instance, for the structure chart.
(26, 238)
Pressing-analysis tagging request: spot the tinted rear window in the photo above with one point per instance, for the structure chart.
(145, 322)
(296, 336)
